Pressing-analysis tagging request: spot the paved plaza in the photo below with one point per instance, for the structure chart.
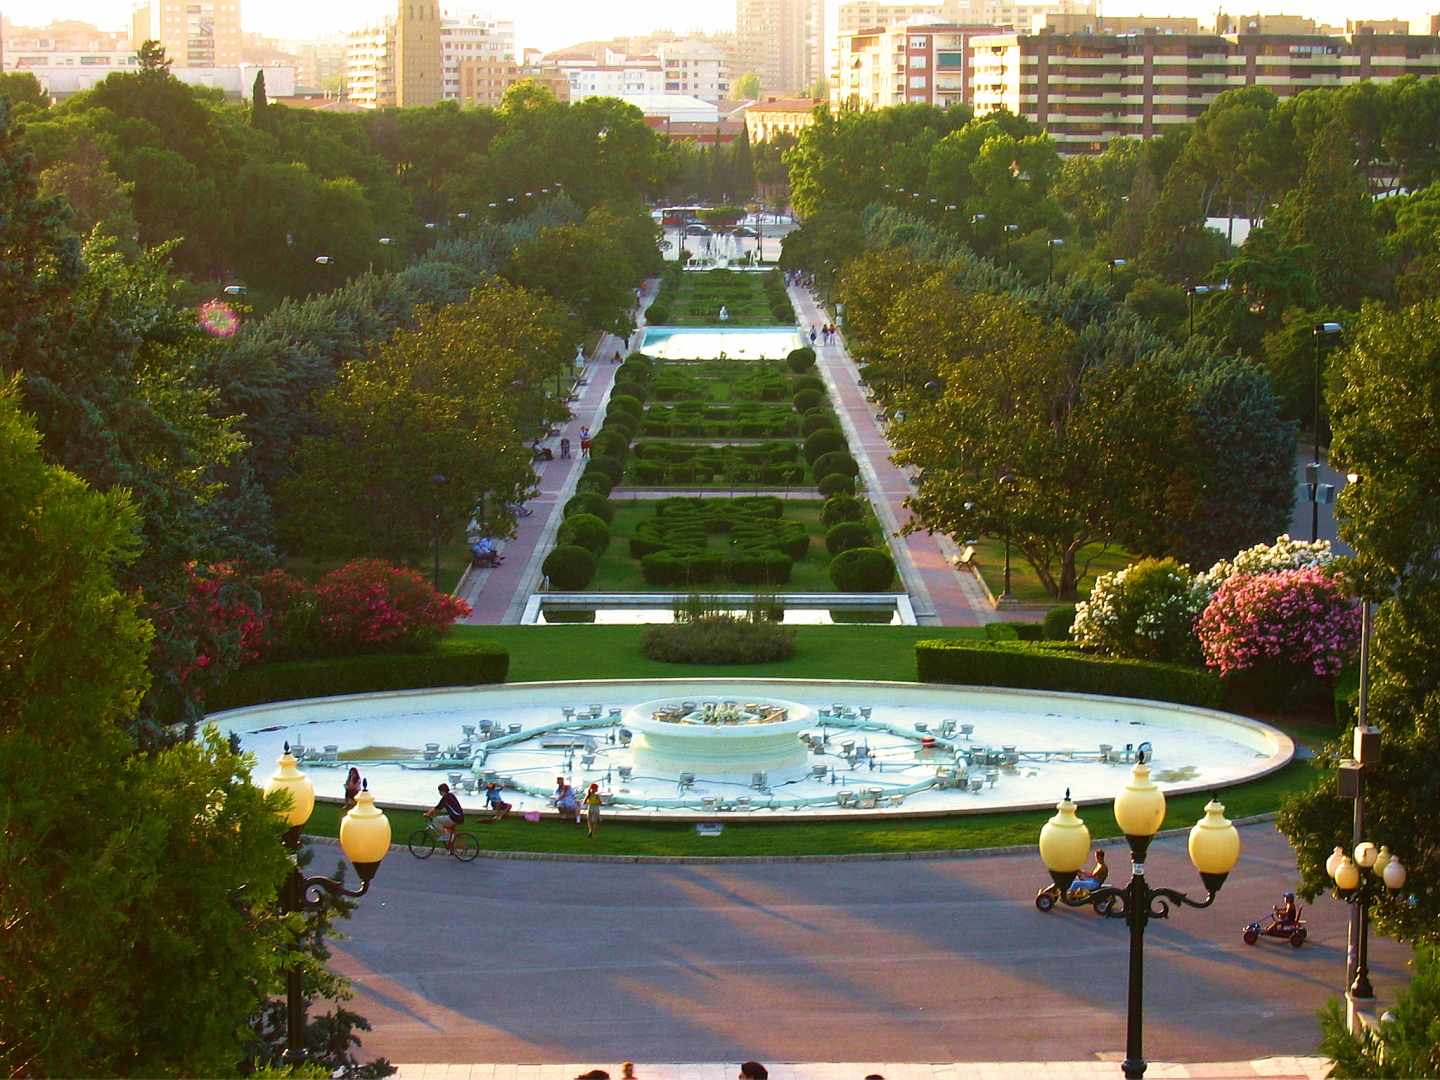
(1275, 1068)
(868, 960)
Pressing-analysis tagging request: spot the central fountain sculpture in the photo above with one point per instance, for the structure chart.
(719, 738)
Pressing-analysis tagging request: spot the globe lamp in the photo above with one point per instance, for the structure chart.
(297, 785)
(1064, 843)
(365, 834)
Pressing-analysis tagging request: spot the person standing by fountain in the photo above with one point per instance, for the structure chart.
(592, 811)
(724, 313)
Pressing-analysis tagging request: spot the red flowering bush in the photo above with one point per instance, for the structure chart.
(1301, 618)
(286, 609)
(368, 605)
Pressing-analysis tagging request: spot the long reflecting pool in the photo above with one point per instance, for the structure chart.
(714, 343)
(863, 748)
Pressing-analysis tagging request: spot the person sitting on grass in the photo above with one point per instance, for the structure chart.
(497, 805)
(566, 802)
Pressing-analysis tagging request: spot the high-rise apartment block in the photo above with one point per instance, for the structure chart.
(418, 57)
(1086, 89)
(194, 33)
(781, 41)
(921, 64)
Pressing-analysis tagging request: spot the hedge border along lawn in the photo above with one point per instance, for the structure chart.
(1046, 666)
(455, 661)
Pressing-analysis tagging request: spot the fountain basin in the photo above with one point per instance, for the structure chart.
(675, 735)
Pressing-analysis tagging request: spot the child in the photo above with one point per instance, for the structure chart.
(592, 811)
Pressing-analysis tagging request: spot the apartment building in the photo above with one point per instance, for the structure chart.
(782, 42)
(924, 64)
(472, 37)
(697, 68)
(484, 82)
(194, 33)
(417, 57)
(770, 117)
(1085, 89)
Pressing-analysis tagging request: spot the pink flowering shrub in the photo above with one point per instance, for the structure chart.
(369, 606)
(1300, 618)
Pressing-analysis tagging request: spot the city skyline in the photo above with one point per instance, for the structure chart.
(554, 24)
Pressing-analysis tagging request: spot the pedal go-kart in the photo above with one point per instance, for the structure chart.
(1076, 896)
(1271, 926)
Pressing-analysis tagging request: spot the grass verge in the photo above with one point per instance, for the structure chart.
(1025, 584)
(781, 838)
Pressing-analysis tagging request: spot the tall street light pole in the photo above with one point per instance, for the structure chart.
(1007, 483)
(365, 839)
(1139, 810)
(1009, 231)
(1322, 330)
(1050, 246)
(437, 480)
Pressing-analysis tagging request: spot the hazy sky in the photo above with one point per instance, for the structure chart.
(550, 24)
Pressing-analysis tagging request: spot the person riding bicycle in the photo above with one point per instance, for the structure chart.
(1286, 912)
(450, 813)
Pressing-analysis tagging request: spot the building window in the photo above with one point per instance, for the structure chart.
(919, 42)
(918, 82)
(919, 63)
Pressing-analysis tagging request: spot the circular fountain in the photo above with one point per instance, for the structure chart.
(719, 738)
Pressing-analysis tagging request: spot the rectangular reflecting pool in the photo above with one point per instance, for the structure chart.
(629, 616)
(713, 343)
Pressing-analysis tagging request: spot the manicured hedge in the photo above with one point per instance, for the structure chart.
(847, 535)
(1046, 666)
(801, 360)
(864, 569)
(569, 566)
(587, 530)
(1058, 621)
(804, 400)
(818, 420)
(597, 481)
(589, 502)
(470, 663)
(1011, 631)
(624, 404)
(837, 461)
(824, 441)
(840, 508)
(836, 484)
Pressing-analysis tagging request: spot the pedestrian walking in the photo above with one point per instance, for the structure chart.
(592, 811)
(812, 335)
(584, 442)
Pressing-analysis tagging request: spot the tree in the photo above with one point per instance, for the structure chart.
(96, 196)
(23, 90)
(746, 87)
(458, 397)
(259, 102)
(1331, 215)
(1404, 1046)
(1384, 388)
(153, 61)
(143, 943)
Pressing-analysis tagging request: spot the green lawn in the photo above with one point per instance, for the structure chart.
(696, 298)
(752, 838)
(990, 561)
(618, 572)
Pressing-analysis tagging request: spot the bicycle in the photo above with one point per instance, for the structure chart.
(425, 840)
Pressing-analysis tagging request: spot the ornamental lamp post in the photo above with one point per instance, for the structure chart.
(365, 839)
(1358, 889)
(1050, 246)
(437, 480)
(1115, 264)
(1006, 232)
(1214, 848)
(1007, 485)
(1322, 330)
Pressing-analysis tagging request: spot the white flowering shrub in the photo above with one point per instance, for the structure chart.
(1284, 554)
(1147, 611)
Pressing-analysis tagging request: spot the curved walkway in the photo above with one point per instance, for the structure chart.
(500, 595)
(941, 595)
(942, 960)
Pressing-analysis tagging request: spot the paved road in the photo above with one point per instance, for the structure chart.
(852, 961)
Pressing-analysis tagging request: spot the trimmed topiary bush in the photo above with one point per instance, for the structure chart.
(657, 314)
(1058, 621)
(848, 535)
(837, 461)
(609, 443)
(590, 502)
(569, 566)
(610, 466)
(801, 360)
(1049, 666)
(587, 530)
(807, 399)
(864, 569)
(824, 441)
(840, 508)
(635, 390)
(808, 382)
(624, 403)
(837, 484)
(719, 641)
(820, 420)
(596, 481)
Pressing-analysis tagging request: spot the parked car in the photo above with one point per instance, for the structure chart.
(696, 230)
(745, 230)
